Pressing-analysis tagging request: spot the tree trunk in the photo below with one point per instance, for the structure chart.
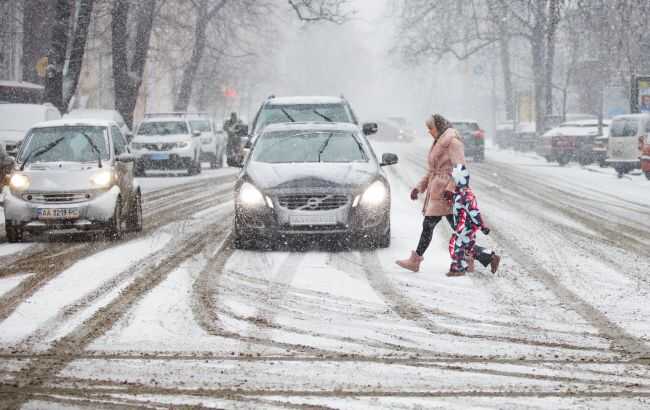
(57, 55)
(537, 48)
(75, 63)
(127, 76)
(504, 48)
(551, 29)
(190, 71)
(38, 17)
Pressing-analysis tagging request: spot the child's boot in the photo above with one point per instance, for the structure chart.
(412, 263)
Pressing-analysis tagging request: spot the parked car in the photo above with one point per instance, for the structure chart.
(623, 149)
(312, 179)
(571, 141)
(213, 142)
(17, 119)
(305, 109)
(73, 175)
(165, 142)
(504, 134)
(387, 131)
(473, 138)
(99, 114)
(525, 137)
(6, 166)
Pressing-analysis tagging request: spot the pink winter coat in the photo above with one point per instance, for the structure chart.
(446, 152)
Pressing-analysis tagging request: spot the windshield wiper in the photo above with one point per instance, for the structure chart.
(322, 149)
(323, 116)
(40, 151)
(287, 114)
(92, 144)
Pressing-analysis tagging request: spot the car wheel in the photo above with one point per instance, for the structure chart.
(14, 235)
(115, 231)
(135, 215)
(241, 240)
(563, 160)
(647, 174)
(138, 170)
(620, 170)
(213, 161)
(383, 239)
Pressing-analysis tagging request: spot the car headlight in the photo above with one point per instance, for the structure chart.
(250, 196)
(102, 179)
(375, 194)
(182, 144)
(19, 182)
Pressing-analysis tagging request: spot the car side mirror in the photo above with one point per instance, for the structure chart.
(370, 128)
(125, 157)
(388, 159)
(196, 133)
(242, 129)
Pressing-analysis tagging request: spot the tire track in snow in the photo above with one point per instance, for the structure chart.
(60, 258)
(64, 350)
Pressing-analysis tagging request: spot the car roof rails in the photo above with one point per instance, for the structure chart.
(176, 114)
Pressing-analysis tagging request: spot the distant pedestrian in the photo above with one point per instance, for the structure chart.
(233, 139)
(437, 184)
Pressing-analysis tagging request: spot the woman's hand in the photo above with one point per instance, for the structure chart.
(414, 194)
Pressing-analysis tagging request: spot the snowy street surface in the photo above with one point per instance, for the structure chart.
(176, 317)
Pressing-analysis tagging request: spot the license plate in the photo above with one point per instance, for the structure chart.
(58, 213)
(301, 220)
(159, 157)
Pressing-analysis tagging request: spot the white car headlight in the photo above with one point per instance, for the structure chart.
(182, 144)
(375, 194)
(19, 182)
(250, 196)
(102, 179)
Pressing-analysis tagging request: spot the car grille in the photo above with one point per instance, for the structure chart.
(312, 202)
(58, 198)
(160, 147)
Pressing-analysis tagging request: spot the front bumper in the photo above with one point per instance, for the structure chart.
(276, 222)
(96, 213)
(179, 158)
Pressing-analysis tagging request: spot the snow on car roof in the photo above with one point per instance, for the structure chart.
(23, 84)
(92, 113)
(297, 100)
(315, 126)
(164, 119)
(76, 122)
(584, 123)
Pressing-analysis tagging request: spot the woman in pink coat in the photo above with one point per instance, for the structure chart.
(437, 185)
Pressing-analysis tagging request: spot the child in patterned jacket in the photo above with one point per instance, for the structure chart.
(467, 221)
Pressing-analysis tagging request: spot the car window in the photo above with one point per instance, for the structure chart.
(624, 127)
(311, 146)
(163, 128)
(200, 125)
(118, 141)
(271, 114)
(72, 144)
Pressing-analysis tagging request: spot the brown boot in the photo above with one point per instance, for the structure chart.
(494, 263)
(453, 273)
(412, 263)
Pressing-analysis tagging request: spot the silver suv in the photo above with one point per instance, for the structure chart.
(73, 175)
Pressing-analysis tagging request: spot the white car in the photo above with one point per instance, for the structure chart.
(166, 142)
(17, 119)
(99, 114)
(213, 142)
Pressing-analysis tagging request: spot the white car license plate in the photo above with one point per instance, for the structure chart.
(301, 220)
(58, 213)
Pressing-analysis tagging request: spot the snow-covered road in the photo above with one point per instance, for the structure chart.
(176, 317)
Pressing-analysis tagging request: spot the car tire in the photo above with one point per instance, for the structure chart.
(214, 161)
(138, 169)
(135, 214)
(14, 235)
(115, 231)
(241, 241)
(647, 175)
(620, 170)
(383, 239)
(563, 160)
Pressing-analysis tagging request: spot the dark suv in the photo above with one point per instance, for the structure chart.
(305, 109)
(473, 137)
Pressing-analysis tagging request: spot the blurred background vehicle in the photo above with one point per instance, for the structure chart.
(21, 92)
(572, 141)
(213, 143)
(166, 142)
(473, 137)
(623, 151)
(390, 131)
(17, 119)
(503, 137)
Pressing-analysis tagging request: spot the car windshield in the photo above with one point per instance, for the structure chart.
(163, 128)
(624, 127)
(272, 114)
(466, 127)
(72, 147)
(311, 146)
(200, 125)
